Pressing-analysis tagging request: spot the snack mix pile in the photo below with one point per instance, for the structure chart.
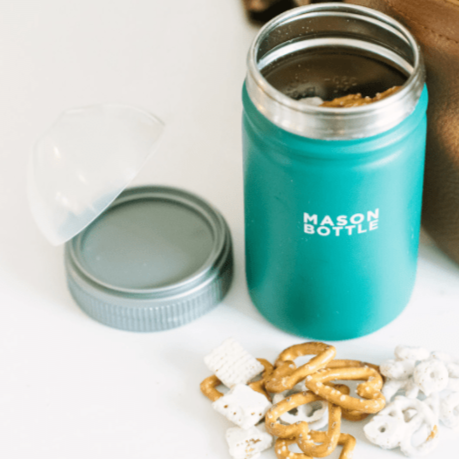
(351, 100)
(295, 402)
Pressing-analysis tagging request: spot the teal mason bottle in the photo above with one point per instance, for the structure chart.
(332, 194)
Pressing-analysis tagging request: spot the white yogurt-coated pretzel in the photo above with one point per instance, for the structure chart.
(453, 369)
(393, 387)
(385, 431)
(449, 410)
(427, 446)
(411, 353)
(453, 376)
(440, 355)
(416, 415)
(399, 421)
(433, 402)
(431, 376)
(316, 418)
(397, 369)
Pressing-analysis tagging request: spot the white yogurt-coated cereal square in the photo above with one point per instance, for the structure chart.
(247, 444)
(232, 364)
(243, 406)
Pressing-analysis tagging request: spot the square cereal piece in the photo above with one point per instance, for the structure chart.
(232, 364)
(248, 444)
(243, 406)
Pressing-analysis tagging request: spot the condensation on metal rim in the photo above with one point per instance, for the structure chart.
(287, 34)
(156, 259)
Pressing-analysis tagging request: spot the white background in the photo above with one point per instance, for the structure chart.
(70, 387)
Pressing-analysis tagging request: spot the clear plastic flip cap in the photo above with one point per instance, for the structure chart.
(82, 164)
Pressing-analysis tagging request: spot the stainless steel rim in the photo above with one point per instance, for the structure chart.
(328, 123)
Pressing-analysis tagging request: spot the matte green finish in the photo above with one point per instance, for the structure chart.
(328, 286)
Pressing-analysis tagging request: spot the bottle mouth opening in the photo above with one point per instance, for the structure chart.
(329, 51)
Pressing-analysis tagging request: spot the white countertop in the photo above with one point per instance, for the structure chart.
(69, 386)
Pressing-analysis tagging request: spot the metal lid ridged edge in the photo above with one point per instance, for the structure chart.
(146, 313)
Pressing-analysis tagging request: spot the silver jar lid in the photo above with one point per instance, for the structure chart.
(140, 259)
(156, 259)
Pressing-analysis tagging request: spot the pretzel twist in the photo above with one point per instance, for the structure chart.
(372, 399)
(345, 440)
(330, 438)
(310, 348)
(281, 446)
(346, 363)
(300, 432)
(259, 386)
(354, 416)
(209, 388)
(287, 375)
(274, 427)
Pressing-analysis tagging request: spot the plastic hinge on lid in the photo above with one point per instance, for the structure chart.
(87, 158)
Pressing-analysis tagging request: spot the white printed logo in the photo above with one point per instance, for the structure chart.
(341, 225)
